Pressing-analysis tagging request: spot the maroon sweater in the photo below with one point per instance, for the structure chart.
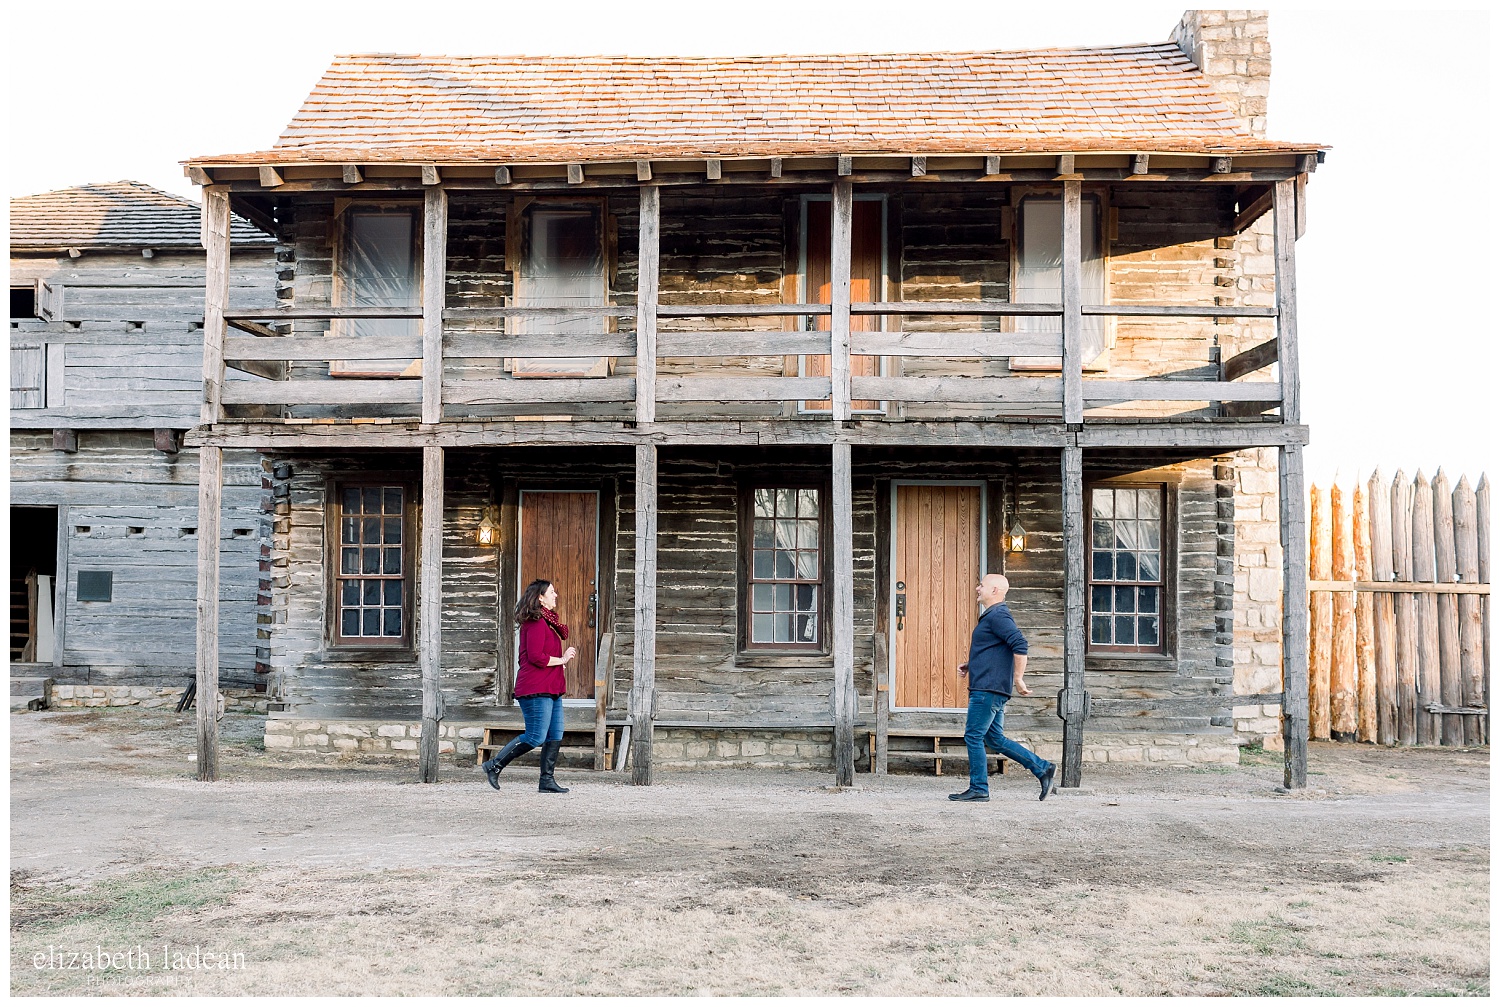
(534, 677)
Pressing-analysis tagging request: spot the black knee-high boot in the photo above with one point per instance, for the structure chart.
(512, 751)
(546, 784)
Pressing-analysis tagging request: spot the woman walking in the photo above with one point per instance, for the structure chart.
(539, 685)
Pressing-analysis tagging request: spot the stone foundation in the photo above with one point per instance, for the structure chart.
(722, 748)
(150, 697)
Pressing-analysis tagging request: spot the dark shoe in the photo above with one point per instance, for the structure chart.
(546, 784)
(970, 795)
(512, 751)
(1046, 779)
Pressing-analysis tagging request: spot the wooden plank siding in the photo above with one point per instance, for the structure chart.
(140, 509)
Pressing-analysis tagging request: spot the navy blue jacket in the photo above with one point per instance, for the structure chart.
(992, 650)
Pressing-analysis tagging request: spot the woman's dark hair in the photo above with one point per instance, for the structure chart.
(529, 608)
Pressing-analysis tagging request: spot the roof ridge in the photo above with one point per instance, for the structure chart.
(706, 58)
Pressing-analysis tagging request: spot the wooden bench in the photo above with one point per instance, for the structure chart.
(496, 738)
(937, 755)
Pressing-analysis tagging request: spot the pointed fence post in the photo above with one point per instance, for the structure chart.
(1424, 569)
(1407, 663)
(1320, 638)
(1364, 623)
(1343, 699)
(1450, 672)
(1470, 624)
(1382, 570)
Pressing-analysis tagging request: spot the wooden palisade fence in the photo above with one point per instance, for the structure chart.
(1399, 599)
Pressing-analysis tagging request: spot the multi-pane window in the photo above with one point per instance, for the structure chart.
(378, 265)
(1125, 568)
(785, 567)
(371, 588)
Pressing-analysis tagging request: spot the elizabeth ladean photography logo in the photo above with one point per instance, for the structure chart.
(137, 959)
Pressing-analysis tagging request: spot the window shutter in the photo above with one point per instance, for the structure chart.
(27, 372)
(49, 301)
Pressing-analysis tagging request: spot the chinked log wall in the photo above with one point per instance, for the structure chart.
(700, 679)
(726, 247)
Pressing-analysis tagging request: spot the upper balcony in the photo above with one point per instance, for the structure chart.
(851, 299)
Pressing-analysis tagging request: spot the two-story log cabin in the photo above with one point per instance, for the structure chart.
(765, 361)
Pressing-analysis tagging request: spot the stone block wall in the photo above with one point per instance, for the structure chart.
(147, 697)
(1233, 49)
(1257, 594)
(722, 748)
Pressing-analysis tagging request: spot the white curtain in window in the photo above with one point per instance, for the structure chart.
(1039, 268)
(563, 266)
(379, 270)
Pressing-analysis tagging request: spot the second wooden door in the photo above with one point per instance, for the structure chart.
(559, 542)
(937, 563)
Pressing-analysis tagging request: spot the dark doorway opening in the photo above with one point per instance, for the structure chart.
(33, 555)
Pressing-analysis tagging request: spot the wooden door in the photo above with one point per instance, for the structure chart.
(936, 542)
(866, 282)
(559, 542)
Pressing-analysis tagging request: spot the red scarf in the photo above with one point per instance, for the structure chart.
(557, 627)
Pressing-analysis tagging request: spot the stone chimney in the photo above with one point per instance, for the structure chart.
(1233, 49)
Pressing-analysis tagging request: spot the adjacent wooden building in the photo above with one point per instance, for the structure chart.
(106, 363)
(764, 361)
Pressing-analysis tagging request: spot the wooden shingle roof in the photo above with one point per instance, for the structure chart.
(113, 215)
(519, 108)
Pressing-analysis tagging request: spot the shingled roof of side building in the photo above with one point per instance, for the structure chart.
(383, 107)
(115, 216)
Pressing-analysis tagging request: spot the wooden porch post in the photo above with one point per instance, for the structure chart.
(643, 691)
(1293, 617)
(434, 280)
(1294, 710)
(430, 622)
(1072, 317)
(844, 699)
(647, 286)
(1284, 215)
(1072, 701)
(210, 496)
(215, 237)
(841, 239)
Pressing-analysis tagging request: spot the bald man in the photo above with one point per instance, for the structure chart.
(996, 669)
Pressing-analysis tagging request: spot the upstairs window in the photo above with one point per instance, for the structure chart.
(561, 265)
(1127, 569)
(378, 265)
(1037, 276)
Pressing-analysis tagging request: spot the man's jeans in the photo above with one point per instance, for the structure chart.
(986, 714)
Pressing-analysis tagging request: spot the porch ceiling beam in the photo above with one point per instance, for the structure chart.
(1210, 437)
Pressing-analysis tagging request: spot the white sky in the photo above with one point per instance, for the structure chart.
(1396, 341)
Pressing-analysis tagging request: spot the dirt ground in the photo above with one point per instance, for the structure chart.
(336, 876)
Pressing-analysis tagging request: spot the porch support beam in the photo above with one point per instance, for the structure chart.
(1072, 302)
(844, 698)
(1293, 617)
(842, 240)
(1284, 211)
(210, 499)
(1072, 701)
(643, 688)
(429, 622)
(648, 285)
(215, 234)
(434, 280)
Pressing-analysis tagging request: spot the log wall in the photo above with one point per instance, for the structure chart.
(700, 676)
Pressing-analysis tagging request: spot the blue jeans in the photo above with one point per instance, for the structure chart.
(544, 719)
(986, 714)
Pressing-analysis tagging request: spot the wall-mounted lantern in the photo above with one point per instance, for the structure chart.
(488, 532)
(1016, 538)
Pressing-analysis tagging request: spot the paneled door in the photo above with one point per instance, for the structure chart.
(560, 542)
(937, 547)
